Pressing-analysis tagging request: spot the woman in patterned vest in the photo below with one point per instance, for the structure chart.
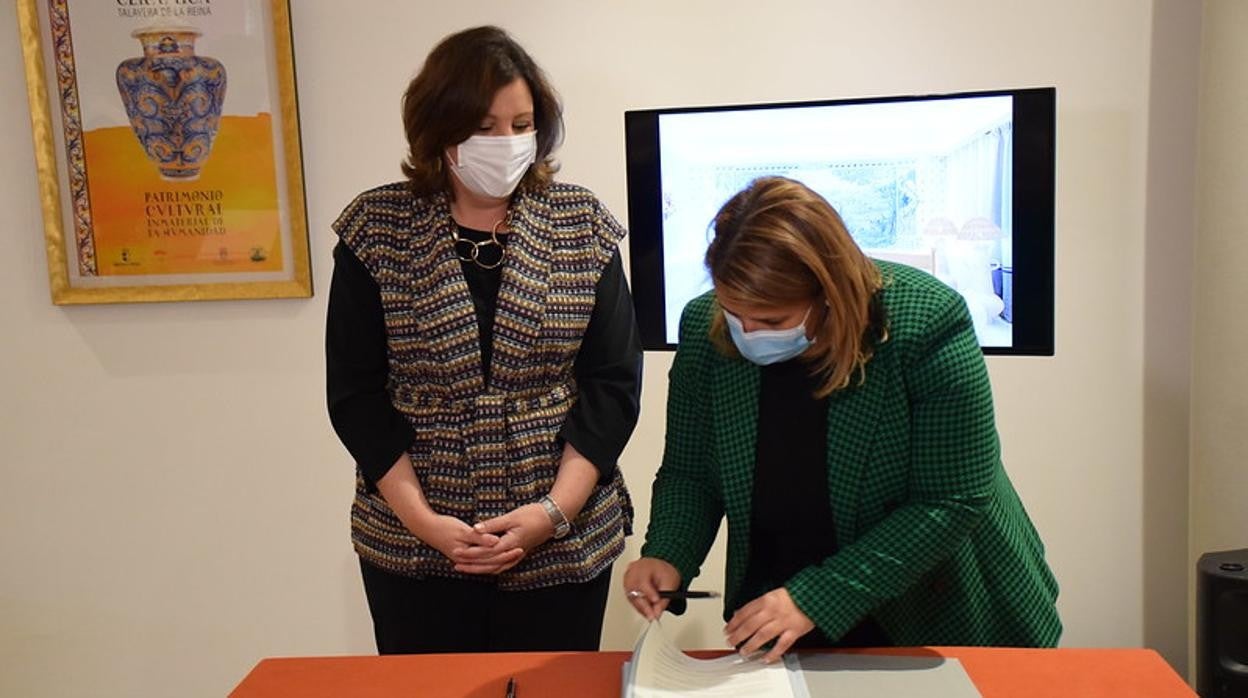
(483, 370)
(837, 411)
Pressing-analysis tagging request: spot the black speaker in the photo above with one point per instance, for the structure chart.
(1222, 624)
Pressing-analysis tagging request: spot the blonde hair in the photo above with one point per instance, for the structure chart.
(778, 243)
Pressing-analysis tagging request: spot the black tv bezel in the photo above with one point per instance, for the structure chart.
(1034, 219)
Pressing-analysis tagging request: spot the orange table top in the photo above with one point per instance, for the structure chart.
(996, 671)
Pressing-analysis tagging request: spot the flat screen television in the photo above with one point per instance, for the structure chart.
(958, 185)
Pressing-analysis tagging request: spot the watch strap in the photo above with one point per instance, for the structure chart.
(557, 518)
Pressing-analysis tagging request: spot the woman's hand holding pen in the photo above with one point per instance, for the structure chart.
(642, 581)
(772, 616)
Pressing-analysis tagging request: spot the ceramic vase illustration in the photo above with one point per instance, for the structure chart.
(173, 98)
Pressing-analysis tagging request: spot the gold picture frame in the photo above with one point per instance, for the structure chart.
(169, 165)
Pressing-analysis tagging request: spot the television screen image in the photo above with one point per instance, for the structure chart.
(960, 186)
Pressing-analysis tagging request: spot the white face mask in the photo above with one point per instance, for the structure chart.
(765, 347)
(494, 165)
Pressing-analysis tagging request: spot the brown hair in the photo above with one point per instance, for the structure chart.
(447, 100)
(778, 243)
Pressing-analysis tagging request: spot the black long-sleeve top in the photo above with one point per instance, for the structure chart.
(607, 367)
(791, 523)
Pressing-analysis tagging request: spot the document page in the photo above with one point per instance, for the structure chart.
(660, 670)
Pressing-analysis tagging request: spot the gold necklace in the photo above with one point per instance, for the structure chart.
(470, 250)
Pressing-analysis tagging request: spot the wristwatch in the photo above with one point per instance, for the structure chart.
(557, 519)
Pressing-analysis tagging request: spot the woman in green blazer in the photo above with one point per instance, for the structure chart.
(837, 410)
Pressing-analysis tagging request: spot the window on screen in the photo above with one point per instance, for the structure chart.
(924, 183)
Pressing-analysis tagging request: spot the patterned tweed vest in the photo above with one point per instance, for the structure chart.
(481, 450)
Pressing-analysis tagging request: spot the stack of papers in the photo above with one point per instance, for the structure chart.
(658, 669)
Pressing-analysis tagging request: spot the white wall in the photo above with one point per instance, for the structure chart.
(173, 504)
(1219, 474)
(1169, 232)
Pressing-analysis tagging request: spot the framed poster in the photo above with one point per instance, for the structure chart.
(167, 145)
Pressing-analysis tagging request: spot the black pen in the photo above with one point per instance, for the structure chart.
(677, 594)
(511, 688)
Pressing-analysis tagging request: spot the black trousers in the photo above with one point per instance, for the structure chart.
(417, 615)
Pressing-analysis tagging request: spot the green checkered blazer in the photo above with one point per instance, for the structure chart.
(933, 540)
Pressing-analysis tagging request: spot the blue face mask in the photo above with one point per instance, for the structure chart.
(765, 347)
